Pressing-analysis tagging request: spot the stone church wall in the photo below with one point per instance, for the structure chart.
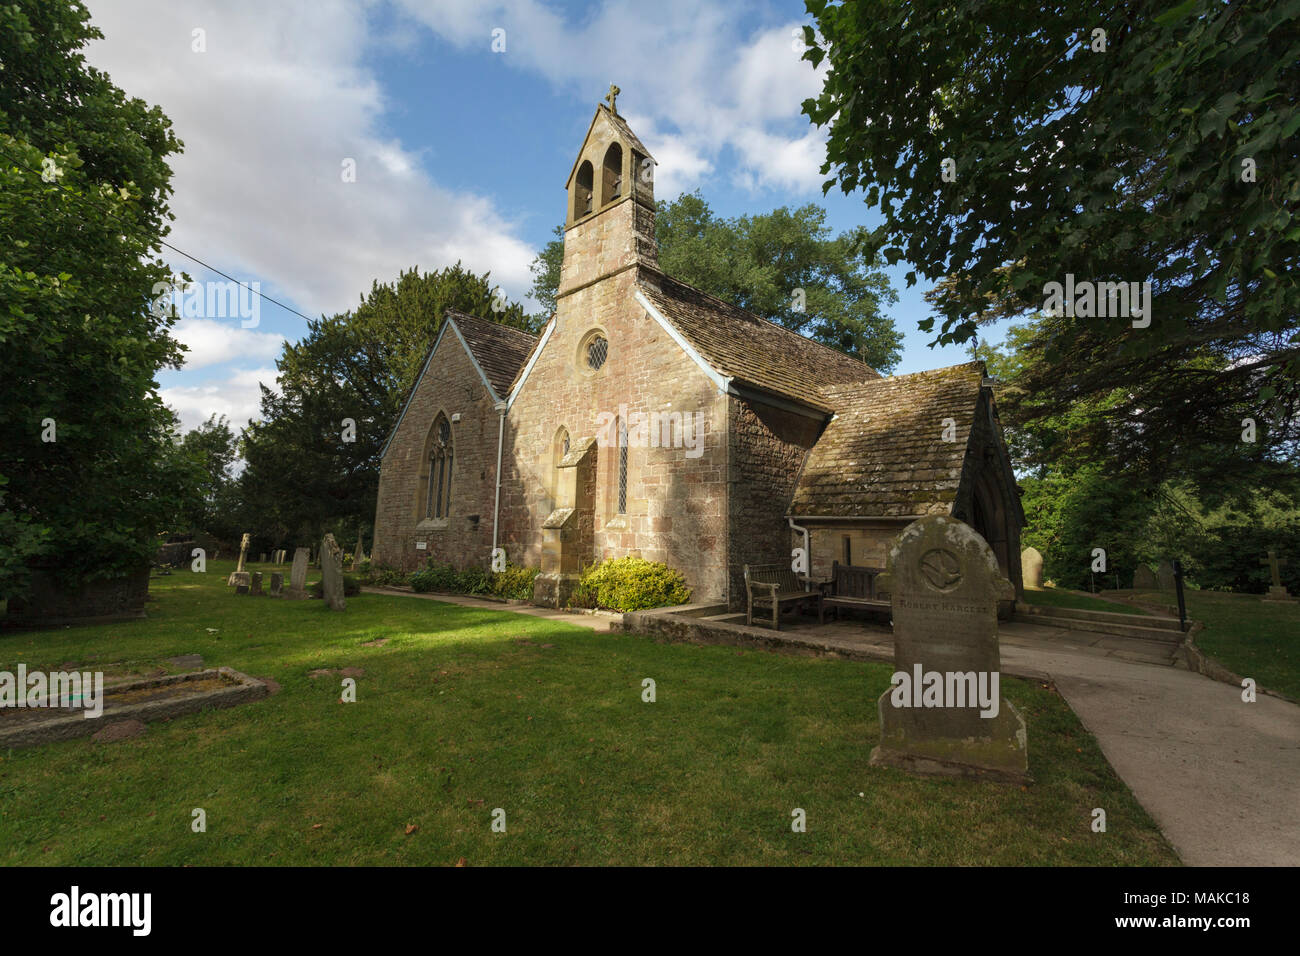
(675, 495)
(768, 446)
(451, 385)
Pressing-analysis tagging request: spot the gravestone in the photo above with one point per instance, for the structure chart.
(263, 558)
(1031, 567)
(255, 586)
(241, 588)
(1144, 579)
(279, 556)
(1165, 576)
(359, 554)
(1276, 591)
(277, 583)
(331, 563)
(240, 579)
(239, 568)
(298, 575)
(945, 713)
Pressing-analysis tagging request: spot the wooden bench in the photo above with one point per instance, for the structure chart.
(851, 586)
(777, 586)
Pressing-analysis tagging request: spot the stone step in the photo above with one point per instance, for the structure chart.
(1101, 627)
(1116, 617)
(731, 617)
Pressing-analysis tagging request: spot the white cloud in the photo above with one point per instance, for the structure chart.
(237, 396)
(682, 65)
(268, 114)
(212, 342)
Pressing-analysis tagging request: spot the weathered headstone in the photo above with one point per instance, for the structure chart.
(331, 563)
(263, 558)
(359, 554)
(243, 555)
(277, 583)
(1031, 567)
(1144, 579)
(945, 713)
(240, 579)
(241, 588)
(1165, 576)
(298, 575)
(279, 556)
(1276, 591)
(256, 584)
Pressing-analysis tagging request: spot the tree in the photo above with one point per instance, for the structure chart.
(1008, 147)
(213, 448)
(783, 265)
(88, 471)
(313, 457)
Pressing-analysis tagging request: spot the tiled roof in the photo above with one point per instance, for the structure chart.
(499, 350)
(742, 345)
(883, 455)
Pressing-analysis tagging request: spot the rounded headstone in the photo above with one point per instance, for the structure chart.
(1031, 567)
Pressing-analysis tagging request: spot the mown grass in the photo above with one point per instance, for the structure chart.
(465, 710)
(1054, 597)
(1250, 636)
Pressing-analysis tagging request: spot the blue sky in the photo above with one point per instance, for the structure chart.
(460, 151)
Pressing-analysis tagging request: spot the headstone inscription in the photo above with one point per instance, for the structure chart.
(331, 561)
(945, 713)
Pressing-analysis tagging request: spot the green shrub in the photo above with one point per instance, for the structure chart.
(632, 584)
(351, 587)
(385, 577)
(473, 581)
(514, 583)
(434, 577)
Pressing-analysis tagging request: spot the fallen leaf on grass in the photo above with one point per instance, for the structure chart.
(411, 828)
(317, 826)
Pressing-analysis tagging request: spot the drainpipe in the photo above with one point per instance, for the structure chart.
(496, 506)
(807, 550)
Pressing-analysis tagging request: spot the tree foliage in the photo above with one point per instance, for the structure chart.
(1163, 151)
(784, 265)
(89, 472)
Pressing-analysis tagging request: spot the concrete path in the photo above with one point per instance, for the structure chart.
(1219, 776)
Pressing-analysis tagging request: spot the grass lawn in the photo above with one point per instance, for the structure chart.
(1054, 597)
(1251, 637)
(466, 710)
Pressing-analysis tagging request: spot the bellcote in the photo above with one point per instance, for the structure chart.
(609, 223)
(612, 166)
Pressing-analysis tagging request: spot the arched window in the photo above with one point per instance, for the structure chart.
(612, 181)
(622, 467)
(437, 502)
(582, 191)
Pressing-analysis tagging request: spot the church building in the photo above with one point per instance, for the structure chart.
(651, 419)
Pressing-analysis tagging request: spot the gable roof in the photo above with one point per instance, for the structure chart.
(499, 349)
(740, 345)
(496, 351)
(883, 455)
(620, 127)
